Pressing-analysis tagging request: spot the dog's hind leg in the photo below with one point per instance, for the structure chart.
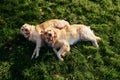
(98, 38)
(58, 54)
(66, 49)
(94, 42)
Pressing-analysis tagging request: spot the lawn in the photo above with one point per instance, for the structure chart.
(84, 62)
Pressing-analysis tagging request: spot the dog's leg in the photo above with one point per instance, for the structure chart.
(66, 48)
(94, 42)
(98, 38)
(62, 24)
(63, 54)
(36, 52)
(88, 35)
(55, 51)
(58, 54)
(37, 49)
(93, 39)
(33, 53)
(38, 46)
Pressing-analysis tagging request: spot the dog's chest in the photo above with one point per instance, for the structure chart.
(35, 37)
(72, 40)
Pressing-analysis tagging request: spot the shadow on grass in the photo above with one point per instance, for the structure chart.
(18, 51)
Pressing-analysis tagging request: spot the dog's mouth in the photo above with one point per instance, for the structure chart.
(50, 39)
(27, 35)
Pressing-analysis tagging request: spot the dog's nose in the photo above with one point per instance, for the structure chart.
(26, 30)
(50, 35)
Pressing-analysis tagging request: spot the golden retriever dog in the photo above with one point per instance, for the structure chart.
(33, 33)
(67, 36)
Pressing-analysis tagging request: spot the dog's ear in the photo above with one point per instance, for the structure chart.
(55, 34)
(30, 30)
(43, 34)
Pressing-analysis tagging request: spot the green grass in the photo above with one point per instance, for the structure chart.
(84, 62)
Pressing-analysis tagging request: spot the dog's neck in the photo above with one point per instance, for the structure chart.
(32, 33)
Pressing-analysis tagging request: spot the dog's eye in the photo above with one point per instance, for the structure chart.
(45, 33)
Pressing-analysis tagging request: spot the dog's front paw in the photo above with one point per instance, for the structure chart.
(61, 59)
(36, 56)
(32, 57)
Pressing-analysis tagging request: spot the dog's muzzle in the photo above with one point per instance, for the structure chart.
(27, 35)
(50, 39)
(50, 35)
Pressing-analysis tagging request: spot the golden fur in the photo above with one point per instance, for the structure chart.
(33, 33)
(68, 36)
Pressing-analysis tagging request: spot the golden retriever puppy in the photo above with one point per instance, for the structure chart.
(33, 33)
(65, 37)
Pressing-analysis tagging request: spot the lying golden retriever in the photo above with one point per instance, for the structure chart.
(33, 33)
(68, 36)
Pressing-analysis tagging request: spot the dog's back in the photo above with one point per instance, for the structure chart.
(55, 23)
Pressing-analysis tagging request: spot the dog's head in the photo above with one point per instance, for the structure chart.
(26, 30)
(49, 35)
